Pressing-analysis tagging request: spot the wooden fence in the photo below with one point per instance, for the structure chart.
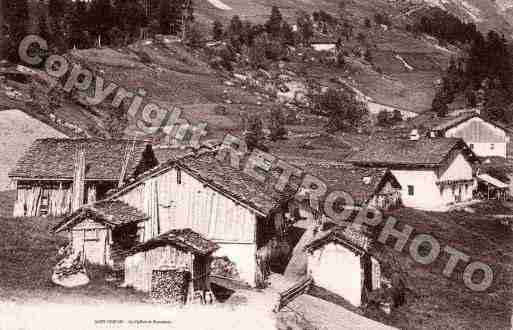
(295, 291)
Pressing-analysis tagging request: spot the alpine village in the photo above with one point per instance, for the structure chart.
(284, 164)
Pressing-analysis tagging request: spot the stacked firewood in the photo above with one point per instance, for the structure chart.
(170, 286)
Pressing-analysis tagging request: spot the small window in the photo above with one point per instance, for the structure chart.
(178, 176)
(492, 146)
(91, 235)
(411, 190)
(471, 146)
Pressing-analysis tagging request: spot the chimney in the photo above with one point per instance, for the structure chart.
(414, 135)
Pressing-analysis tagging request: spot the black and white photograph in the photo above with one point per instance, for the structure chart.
(256, 164)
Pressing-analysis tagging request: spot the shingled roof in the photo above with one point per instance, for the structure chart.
(53, 158)
(357, 238)
(360, 182)
(113, 213)
(426, 152)
(430, 122)
(185, 239)
(235, 182)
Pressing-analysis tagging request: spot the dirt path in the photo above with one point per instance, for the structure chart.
(318, 313)
(327, 316)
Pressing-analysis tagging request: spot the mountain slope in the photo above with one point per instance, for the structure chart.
(486, 14)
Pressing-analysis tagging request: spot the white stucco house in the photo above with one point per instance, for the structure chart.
(485, 138)
(434, 173)
(339, 261)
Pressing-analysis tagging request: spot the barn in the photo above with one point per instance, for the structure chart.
(485, 138)
(104, 231)
(44, 176)
(340, 262)
(181, 249)
(375, 187)
(241, 214)
(434, 173)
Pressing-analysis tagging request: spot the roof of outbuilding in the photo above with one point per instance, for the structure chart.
(113, 213)
(426, 152)
(185, 239)
(358, 238)
(360, 182)
(53, 158)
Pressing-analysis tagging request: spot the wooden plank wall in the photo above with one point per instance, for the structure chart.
(188, 203)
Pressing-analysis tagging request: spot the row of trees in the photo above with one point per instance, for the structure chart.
(447, 27)
(67, 24)
(484, 76)
(263, 42)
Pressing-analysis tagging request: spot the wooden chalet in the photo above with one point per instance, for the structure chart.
(223, 204)
(340, 261)
(375, 187)
(433, 173)
(45, 174)
(104, 231)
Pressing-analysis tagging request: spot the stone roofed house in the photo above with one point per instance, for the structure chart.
(376, 187)
(434, 173)
(103, 231)
(44, 174)
(484, 137)
(340, 261)
(224, 204)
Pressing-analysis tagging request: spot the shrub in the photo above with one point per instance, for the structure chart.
(194, 36)
(277, 124)
(217, 30)
(343, 110)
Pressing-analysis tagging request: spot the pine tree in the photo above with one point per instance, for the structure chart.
(2, 31)
(148, 161)
(234, 33)
(305, 28)
(17, 18)
(165, 16)
(277, 124)
(273, 24)
(287, 34)
(254, 134)
(42, 27)
(57, 13)
(100, 19)
(217, 30)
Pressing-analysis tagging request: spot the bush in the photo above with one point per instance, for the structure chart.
(217, 30)
(343, 110)
(383, 118)
(277, 124)
(264, 49)
(194, 36)
(254, 134)
(116, 37)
